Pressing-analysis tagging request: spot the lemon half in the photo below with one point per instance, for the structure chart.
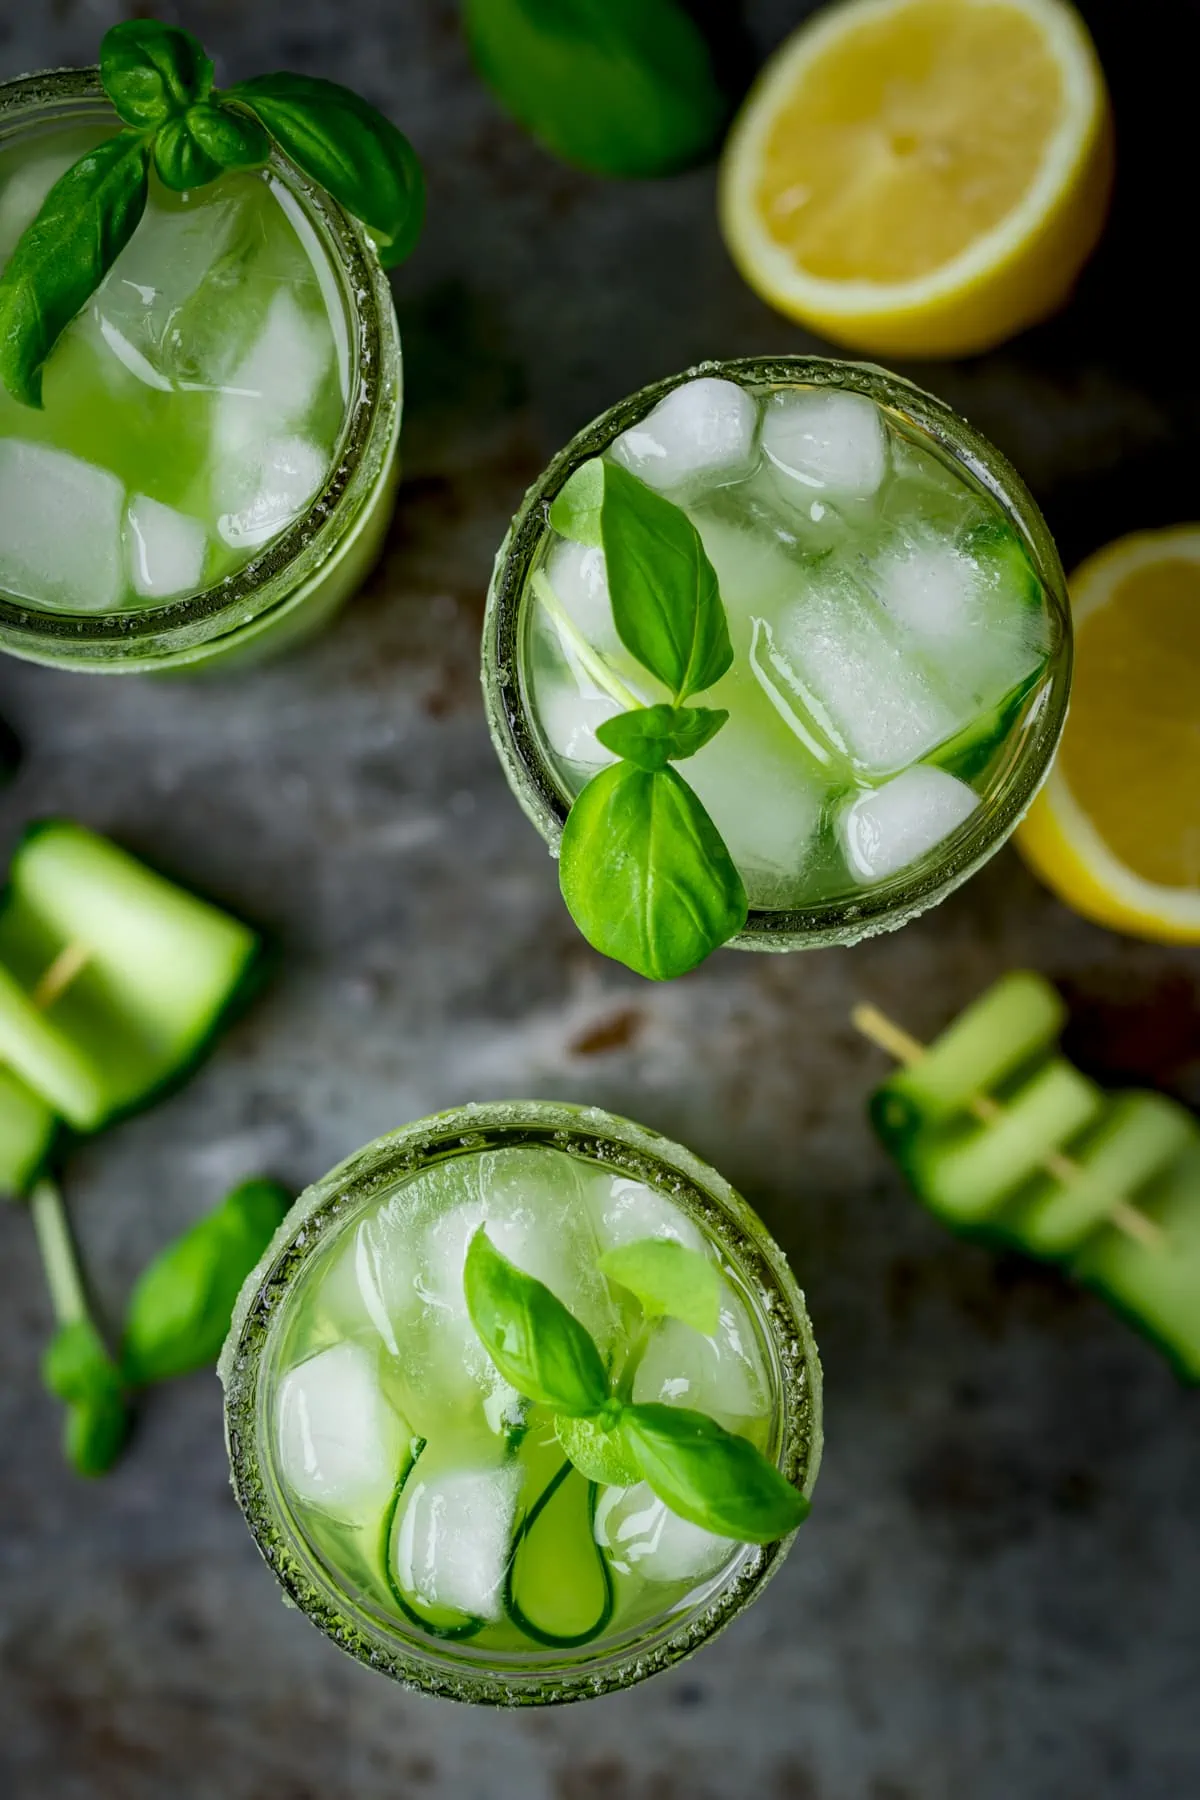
(921, 177)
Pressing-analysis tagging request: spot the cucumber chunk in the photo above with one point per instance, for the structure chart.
(27, 1131)
(1157, 1288)
(965, 1174)
(1139, 1137)
(559, 1589)
(1010, 1024)
(162, 966)
(47, 1059)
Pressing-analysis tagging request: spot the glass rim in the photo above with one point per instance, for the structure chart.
(902, 897)
(269, 581)
(445, 1669)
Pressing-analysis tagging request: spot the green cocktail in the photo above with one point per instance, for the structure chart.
(212, 469)
(861, 606)
(433, 1518)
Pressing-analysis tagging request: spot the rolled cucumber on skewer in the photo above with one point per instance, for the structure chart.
(1003, 1139)
(157, 968)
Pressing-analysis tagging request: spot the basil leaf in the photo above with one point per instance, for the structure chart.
(575, 509)
(349, 148)
(231, 138)
(599, 1455)
(85, 222)
(76, 1366)
(94, 1433)
(535, 1343)
(666, 600)
(181, 1306)
(668, 1278)
(652, 736)
(181, 161)
(645, 873)
(710, 1477)
(622, 87)
(150, 71)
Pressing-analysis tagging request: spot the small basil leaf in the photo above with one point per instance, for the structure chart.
(666, 599)
(535, 1343)
(231, 138)
(575, 509)
(85, 222)
(668, 1278)
(645, 873)
(710, 1477)
(622, 87)
(598, 1454)
(181, 161)
(653, 736)
(76, 1366)
(181, 1305)
(94, 1433)
(349, 148)
(150, 71)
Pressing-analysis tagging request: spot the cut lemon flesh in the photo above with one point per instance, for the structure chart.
(921, 176)
(1116, 829)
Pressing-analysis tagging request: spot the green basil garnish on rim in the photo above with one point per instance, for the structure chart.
(160, 82)
(702, 1472)
(645, 873)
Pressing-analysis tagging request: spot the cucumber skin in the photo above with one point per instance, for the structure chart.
(36, 1128)
(261, 959)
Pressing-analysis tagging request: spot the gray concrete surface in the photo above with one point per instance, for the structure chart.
(998, 1595)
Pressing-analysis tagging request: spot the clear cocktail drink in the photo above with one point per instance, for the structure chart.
(899, 631)
(417, 1506)
(212, 469)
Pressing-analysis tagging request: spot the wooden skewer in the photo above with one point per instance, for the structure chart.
(70, 962)
(908, 1050)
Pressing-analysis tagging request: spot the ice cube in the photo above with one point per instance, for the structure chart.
(274, 387)
(858, 677)
(983, 633)
(577, 574)
(569, 717)
(166, 549)
(22, 193)
(643, 1536)
(723, 1375)
(340, 1442)
(60, 529)
(824, 439)
(538, 1217)
(890, 827)
(700, 435)
(138, 310)
(453, 1534)
(763, 798)
(266, 487)
(624, 1210)
(754, 571)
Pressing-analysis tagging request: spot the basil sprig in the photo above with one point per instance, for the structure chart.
(621, 87)
(160, 82)
(697, 1468)
(645, 873)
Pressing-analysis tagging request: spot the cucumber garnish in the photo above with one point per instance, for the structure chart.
(27, 1131)
(559, 1590)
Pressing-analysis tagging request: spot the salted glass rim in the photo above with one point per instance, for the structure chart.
(272, 577)
(888, 904)
(260, 1319)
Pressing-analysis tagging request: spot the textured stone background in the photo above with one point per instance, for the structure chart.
(998, 1595)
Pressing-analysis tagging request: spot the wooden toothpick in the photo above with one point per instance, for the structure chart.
(909, 1050)
(70, 962)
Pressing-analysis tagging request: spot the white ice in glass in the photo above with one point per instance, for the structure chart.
(60, 528)
(826, 441)
(340, 1442)
(643, 1536)
(452, 1537)
(700, 434)
(166, 549)
(886, 829)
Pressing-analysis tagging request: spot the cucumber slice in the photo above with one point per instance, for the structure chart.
(966, 1174)
(449, 1539)
(162, 967)
(1010, 1024)
(559, 1590)
(968, 755)
(27, 1131)
(1139, 1137)
(1157, 1288)
(47, 1059)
